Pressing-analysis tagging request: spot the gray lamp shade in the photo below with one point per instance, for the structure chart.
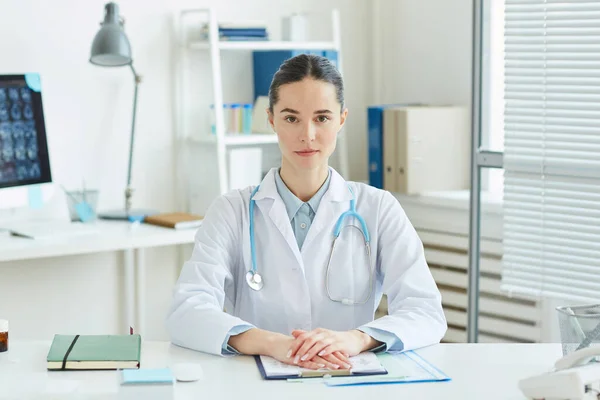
(111, 47)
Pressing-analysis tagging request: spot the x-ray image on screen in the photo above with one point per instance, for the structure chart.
(23, 146)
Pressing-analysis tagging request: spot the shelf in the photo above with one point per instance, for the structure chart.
(239, 139)
(265, 45)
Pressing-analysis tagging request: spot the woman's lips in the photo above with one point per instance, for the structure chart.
(307, 153)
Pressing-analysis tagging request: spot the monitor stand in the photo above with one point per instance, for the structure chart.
(52, 207)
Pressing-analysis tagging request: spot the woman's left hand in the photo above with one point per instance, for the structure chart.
(324, 342)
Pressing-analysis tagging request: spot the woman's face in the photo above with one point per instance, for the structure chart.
(307, 120)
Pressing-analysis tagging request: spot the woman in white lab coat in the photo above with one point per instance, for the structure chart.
(299, 302)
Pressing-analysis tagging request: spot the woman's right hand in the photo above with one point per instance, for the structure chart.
(280, 350)
(261, 342)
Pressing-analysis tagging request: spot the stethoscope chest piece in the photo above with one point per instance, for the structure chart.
(254, 280)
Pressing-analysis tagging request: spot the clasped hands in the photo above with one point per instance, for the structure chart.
(323, 348)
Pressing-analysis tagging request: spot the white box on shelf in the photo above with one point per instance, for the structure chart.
(260, 118)
(294, 28)
(426, 149)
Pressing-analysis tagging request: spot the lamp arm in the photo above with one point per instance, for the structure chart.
(129, 189)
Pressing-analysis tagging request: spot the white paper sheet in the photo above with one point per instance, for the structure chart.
(366, 362)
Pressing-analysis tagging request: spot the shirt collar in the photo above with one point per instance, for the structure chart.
(293, 203)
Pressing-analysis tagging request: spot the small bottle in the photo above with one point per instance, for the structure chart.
(235, 118)
(212, 118)
(3, 335)
(226, 117)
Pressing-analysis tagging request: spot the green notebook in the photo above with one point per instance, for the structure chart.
(94, 352)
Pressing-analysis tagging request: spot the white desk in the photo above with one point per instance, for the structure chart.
(478, 371)
(110, 236)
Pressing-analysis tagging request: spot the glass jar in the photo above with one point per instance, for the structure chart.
(3, 335)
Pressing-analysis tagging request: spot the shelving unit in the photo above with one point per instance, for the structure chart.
(221, 140)
(265, 45)
(238, 139)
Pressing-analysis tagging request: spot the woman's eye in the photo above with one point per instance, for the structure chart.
(322, 118)
(291, 119)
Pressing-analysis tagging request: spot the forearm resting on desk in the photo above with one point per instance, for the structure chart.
(255, 341)
(368, 343)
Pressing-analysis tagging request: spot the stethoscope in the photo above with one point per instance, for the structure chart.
(256, 282)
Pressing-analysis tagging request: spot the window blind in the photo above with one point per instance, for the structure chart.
(552, 149)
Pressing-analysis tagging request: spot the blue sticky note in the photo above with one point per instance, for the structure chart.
(34, 82)
(84, 211)
(36, 199)
(147, 376)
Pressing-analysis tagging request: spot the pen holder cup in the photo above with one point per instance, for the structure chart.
(579, 327)
(82, 205)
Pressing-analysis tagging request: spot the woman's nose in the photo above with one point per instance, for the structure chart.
(308, 133)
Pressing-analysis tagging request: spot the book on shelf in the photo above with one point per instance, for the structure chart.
(239, 31)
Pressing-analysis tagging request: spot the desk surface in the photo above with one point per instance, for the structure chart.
(478, 371)
(110, 236)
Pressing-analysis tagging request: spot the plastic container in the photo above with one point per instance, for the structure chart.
(3, 335)
(227, 118)
(82, 204)
(247, 118)
(579, 327)
(236, 118)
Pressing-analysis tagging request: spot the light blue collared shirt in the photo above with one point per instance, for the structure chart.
(301, 216)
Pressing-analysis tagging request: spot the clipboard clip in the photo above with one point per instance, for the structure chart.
(325, 373)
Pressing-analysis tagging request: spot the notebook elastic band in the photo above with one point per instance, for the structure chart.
(69, 351)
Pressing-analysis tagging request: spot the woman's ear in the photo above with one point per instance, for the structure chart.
(343, 117)
(270, 117)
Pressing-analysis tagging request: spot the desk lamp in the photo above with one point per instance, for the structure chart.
(111, 48)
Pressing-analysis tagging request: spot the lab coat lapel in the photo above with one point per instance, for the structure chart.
(335, 201)
(270, 203)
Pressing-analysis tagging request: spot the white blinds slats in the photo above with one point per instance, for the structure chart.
(552, 149)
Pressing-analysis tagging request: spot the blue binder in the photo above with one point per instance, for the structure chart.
(375, 141)
(266, 62)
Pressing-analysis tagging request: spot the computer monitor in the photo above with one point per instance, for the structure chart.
(24, 159)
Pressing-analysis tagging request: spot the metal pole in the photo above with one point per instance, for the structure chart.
(129, 190)
(474, 223)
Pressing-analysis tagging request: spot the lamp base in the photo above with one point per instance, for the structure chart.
(131, 215)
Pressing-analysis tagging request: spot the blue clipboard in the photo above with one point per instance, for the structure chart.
(313, 374)
(430, 373)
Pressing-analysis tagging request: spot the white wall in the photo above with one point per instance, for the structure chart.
(88, 111)
(425, 51)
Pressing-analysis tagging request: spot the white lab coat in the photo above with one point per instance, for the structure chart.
(294, 294)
